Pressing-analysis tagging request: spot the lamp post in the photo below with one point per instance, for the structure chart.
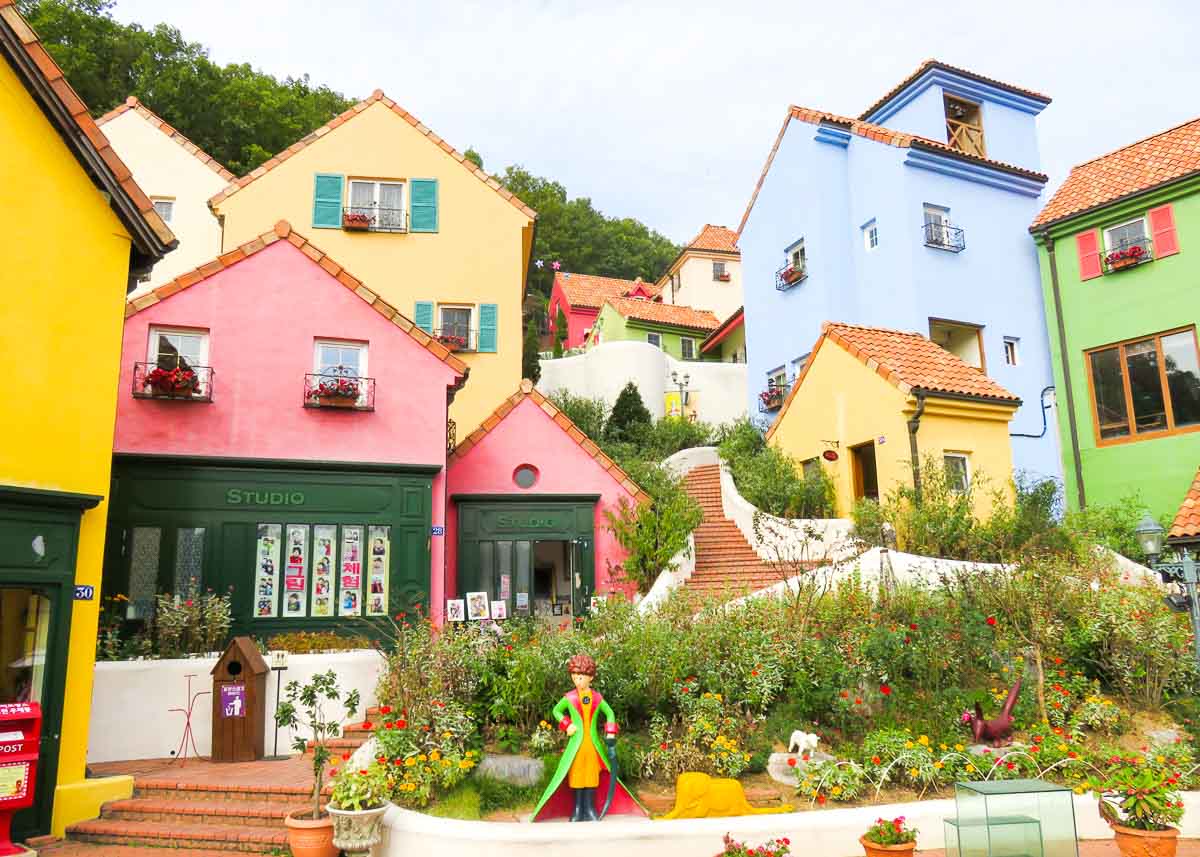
(1150, 536)
(681, 383)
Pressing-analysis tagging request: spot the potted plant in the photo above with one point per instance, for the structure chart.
(357, 804)
(172, 382)
(1125, 258)
(724, 278)
(1142, 807)
(888, 836)
(793, 274)
(773, 848)
(310, 833)
(452, 341)
(356, 221)
(337, 392)
(771, 398)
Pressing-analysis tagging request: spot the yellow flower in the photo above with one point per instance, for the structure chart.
(1078, 790)
(1159, 759)
(912, 772)
(944, 747)
(1063, 747)
(464, 764)
(835, 791)
(445, 734)
(410, 761)
(428, 770)
(908, 745)
(923, 740)
(970, 769)
(435, 755)
(939, 765)
(445, 763)
(421, 758)
(718, 696)
(958, 747)
(746, 756)
(1003, 669)
(543, 724)
(470, 754)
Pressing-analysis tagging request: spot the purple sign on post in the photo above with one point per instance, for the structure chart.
(233, 700)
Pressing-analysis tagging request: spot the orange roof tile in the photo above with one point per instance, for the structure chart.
(1187, 519)
(526, 391)
(717, 238)
(1140, 166)
(879, 134)
(283, 232)
(376, 96)
(932, 63)
(670, 314)
(132, 103)
(588, 290)
(39, 63)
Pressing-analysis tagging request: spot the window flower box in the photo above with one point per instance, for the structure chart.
(453, 342)
(724, 278)
(182, 383)
(356, 222)
(337, 393)
(1126, 257)
(771, 399)
(343, 392)
(789, 275)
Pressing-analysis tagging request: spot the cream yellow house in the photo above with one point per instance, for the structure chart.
(428, 232)
(872, 403)
(707, 273)
(178, 176)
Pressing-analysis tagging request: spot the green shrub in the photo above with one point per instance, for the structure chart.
(652, 534)
(770, 479)
(589, 415)
(629, 419)
(308, 642)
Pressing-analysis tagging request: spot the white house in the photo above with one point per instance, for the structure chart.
(707, 273)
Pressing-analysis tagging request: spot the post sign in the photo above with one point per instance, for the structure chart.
(233, 700)
(20, 734)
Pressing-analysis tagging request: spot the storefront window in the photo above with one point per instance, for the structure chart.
(144, 549)
(324, 562)
(379, 545)
(295, 572)
(350, 589)
(266, 590)
(24, 636)
(189, 561)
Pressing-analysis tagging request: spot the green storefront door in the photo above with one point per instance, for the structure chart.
(297, 548)
(537, 555)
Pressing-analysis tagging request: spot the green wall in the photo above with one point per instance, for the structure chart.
(1151, 298)
(616, 328)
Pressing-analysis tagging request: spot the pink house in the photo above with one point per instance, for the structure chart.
(580, 297)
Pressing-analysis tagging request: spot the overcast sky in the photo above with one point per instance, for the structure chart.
(665, 111)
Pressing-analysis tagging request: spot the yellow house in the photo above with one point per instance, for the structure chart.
(431, 234)
(871, 403)
(78, 231)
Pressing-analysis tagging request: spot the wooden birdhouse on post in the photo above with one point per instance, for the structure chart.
(239, 703)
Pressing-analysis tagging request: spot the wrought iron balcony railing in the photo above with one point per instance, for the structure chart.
(458, 338)
(180, 383)
(771, 399)
(1128, 254)
(790, 275)
(339, 392)
(943, 236)
(372, 218)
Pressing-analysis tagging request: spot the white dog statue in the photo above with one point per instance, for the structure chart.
(802, 742)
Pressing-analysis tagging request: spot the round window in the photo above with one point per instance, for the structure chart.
(525, 476)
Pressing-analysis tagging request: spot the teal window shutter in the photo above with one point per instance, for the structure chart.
(327, 200)
(424, 316)
(488, 314)
(423, 202)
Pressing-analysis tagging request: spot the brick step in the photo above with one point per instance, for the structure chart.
(338, 745)
(175, 835)
(71, 848)
(171, 790)
(186, 810)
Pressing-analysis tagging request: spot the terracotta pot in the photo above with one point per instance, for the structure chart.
(356, 225)
(337, 401)
(357, 831)
(309, 837)
(875, 850)
(1145, 843)
(1127, 262)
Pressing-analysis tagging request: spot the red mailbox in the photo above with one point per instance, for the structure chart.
(20, 731)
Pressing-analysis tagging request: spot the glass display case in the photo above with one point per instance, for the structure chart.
(1012, 818)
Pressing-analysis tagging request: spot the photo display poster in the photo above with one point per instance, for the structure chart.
(295, 574)
(350, 591)
(266, 564)
(380, 551)
(324, 569)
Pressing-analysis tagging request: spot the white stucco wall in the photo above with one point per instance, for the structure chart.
(163, 168)
(698, 289)
(130, 702)
(719, 388)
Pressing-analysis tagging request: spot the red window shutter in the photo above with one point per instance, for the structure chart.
(1162, 231)
(1088, 245)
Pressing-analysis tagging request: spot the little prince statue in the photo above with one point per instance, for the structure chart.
(585, 785)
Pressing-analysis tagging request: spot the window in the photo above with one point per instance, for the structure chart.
(777, 377)
(796, 258)
(958, 475)
(1146, 387)
(1011, 351)
(811, 468)
(799, 363)
(165, 208)
(525, 476)
(654, 339)
(719, 271)
(870, 236)
(381, 201)
(687, 347)
(183, 349)
(937, 225)
(964, 125)
(962, 339)
(1125, 235)
(454, 327)
(346, 359)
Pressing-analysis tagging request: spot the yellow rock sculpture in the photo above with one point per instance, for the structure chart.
(698, 795)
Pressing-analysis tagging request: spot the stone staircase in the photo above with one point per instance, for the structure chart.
(725, 561)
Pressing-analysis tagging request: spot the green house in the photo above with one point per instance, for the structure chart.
(680, 331)
(1119, 248)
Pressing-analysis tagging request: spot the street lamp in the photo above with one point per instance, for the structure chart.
(681, 383)
(1150, 536)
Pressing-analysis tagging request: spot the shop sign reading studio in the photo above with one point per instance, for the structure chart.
(246, 497)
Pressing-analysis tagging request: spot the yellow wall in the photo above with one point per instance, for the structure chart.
(842, 400)
(477, 256)
(66, 267)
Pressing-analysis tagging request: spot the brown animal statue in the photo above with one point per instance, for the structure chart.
(998, 730)
(698, 795)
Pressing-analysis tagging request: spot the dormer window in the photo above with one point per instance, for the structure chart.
(964, 126)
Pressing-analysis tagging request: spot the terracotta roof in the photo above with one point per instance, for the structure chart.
(283, 232)
(1187, 519)
(670, 314)
(1140, 166)
(735, 320)
(932, 63)
(88, 137)
(587, 290)
(527, 391)
(717, 238)
(909, 361)
(376, 96)
(132, 103)
(880, 134)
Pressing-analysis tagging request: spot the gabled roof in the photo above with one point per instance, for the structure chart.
(283, 232)
(880, 134)
(587, 290)
(1138, 167)
(152, 238)
(673, 315)
(728, 326)
(1187, 519)
(908, 361)
(932, 63)
(376, 97)
(526, 391)
(132, 103)
(715, 238)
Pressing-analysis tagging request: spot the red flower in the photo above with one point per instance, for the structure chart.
(663, 745)
(845, 693)
(753, 672)
(400, 724)
(333, 772)
(885, 690)
(792, 762)
(786, 841)
(366, 724)
(1010, 766)
(1037, 739)
(991, 620)
(875, 760)
(821, 799)
(345, 757)
(388, 725)
(912, 626)
(857, 700)
(1073, 754)
(385, 709)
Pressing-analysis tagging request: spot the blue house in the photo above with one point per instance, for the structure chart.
(913, 216)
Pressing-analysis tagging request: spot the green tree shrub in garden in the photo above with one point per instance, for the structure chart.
(629, 419)
(653, 534)
(531, 364)
(770, 479)
(589, 415)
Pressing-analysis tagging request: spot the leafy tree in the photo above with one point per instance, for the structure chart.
(629, 419)
(652, 534)
(560, 332)
(474, 157)
(589, 415)
(531, 366)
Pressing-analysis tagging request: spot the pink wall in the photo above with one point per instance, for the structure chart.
(528, 435)
(579, 319)
(263, 315)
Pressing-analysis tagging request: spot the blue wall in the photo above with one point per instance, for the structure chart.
(825, 193)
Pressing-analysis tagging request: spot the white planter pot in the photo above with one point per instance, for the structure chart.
(357, 831)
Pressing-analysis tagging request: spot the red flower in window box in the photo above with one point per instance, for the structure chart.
(453, 341)
(356, 221)
(793, 274)
(336, 392)
(771, 398)
(1125, 257)
(724, 278)
(172, 382)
